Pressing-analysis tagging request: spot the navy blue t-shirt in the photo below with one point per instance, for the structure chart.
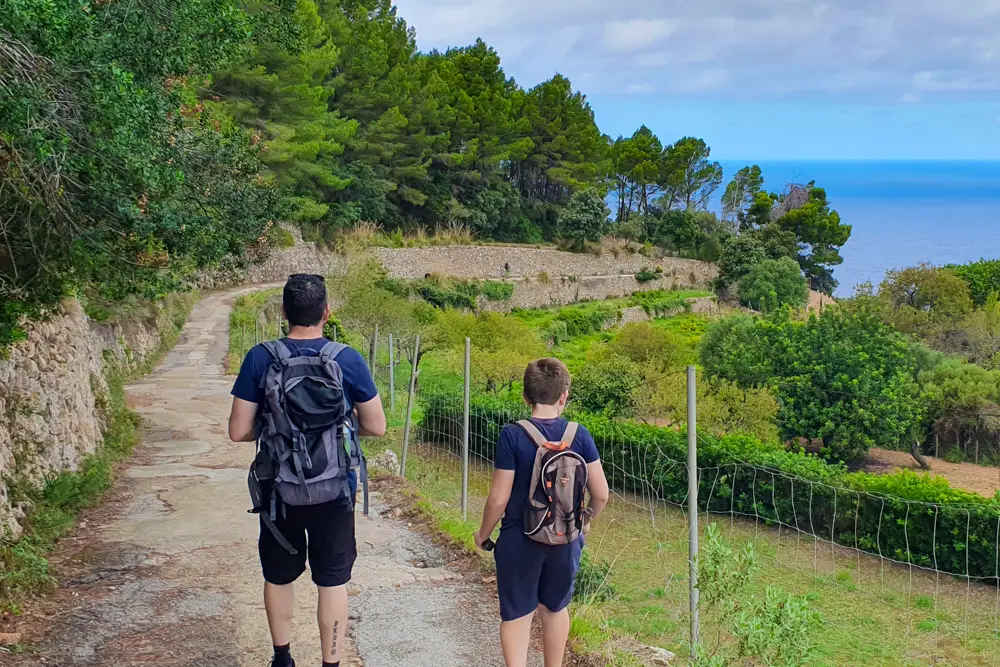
(358, 384)
(516, 451)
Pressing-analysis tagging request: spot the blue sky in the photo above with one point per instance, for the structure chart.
(757, 79)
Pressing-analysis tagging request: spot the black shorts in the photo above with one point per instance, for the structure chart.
(323, 532)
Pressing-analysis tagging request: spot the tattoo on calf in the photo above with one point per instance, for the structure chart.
(336, 631)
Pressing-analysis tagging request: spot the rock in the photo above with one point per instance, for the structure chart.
(386, 460)
(656, 655)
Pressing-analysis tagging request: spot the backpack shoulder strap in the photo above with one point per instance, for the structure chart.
(533, 432)
(569, 435)
(277, 349)
(330, 351)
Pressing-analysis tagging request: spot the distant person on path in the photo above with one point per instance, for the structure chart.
(545, 467)
(306, 401)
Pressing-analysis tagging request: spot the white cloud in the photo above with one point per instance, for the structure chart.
(636, 35)
(747, 49)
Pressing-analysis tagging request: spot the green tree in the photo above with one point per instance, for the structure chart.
(584, 218)
(120, 177)
(605, 385)
(773, 284)
(963, 402)
(689, 178)
(983, 278)
(927, 302)
(636, 164)
(845, 378)
(562, 150)
(739, 254)
(820, 235)
(740, 194)
(285, 96)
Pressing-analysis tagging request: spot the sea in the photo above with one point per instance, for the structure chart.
(902, 213)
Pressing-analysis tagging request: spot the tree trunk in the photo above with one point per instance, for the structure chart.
(918, 457)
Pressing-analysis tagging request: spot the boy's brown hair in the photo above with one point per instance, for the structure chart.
(545, 381)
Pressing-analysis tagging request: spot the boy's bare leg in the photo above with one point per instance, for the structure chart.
(555, 634)
(332, 616)
(515, 636)
(279, 602)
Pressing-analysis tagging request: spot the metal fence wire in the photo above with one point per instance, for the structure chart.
(897, 581)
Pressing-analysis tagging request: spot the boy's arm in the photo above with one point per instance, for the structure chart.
(496, 503)
(371, 418)
(597, 487)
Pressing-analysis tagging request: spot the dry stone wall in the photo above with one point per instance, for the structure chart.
(492, 262)
(52, 389)
(468, 262)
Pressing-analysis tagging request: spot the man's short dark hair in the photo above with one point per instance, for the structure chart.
(304, 300)
(545, 381)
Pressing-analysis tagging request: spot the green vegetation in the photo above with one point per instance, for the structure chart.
(773, 284)
(123, 175)
(955, 349)
(774, 630)
(983, 278)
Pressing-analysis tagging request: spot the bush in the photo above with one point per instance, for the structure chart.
(582, 321)
(649, 275)
(773, 284)
(604, 385)
(846, 378)
(498, 291)
(983, 278)
(659, 303)
(881, 514)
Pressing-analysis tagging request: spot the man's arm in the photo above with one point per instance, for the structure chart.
(243, 421)
(496, 503)
(371, 418)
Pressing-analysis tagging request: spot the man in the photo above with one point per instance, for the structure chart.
(323, 531)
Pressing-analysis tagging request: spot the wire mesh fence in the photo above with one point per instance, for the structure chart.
(896, 581)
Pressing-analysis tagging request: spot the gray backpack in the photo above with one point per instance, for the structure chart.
(555, 511)
(307, 435)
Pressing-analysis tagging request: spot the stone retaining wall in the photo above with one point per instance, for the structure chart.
(53, 387)
(490, 262)
(468, 262)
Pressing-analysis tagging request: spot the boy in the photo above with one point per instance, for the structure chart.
(323, 532)
(532, 576)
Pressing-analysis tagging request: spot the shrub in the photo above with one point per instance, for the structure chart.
(983, 278)
(772, 284)
(583, 321)
(497, 290)
(648, 275)
(643, 343)
(903, 516)
(659, 303)
(605, 384)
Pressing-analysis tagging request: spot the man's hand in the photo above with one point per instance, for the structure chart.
(586, 527)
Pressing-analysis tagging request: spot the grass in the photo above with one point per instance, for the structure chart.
(873, 613)
(24, 567)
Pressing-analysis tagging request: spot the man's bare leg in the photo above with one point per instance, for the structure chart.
(555, 634)
(515, 636)
(279, 602)
(332, 617)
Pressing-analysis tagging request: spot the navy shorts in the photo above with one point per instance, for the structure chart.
(530, 573)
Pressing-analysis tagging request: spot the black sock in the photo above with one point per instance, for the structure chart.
(283, 656)
(331, 664)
